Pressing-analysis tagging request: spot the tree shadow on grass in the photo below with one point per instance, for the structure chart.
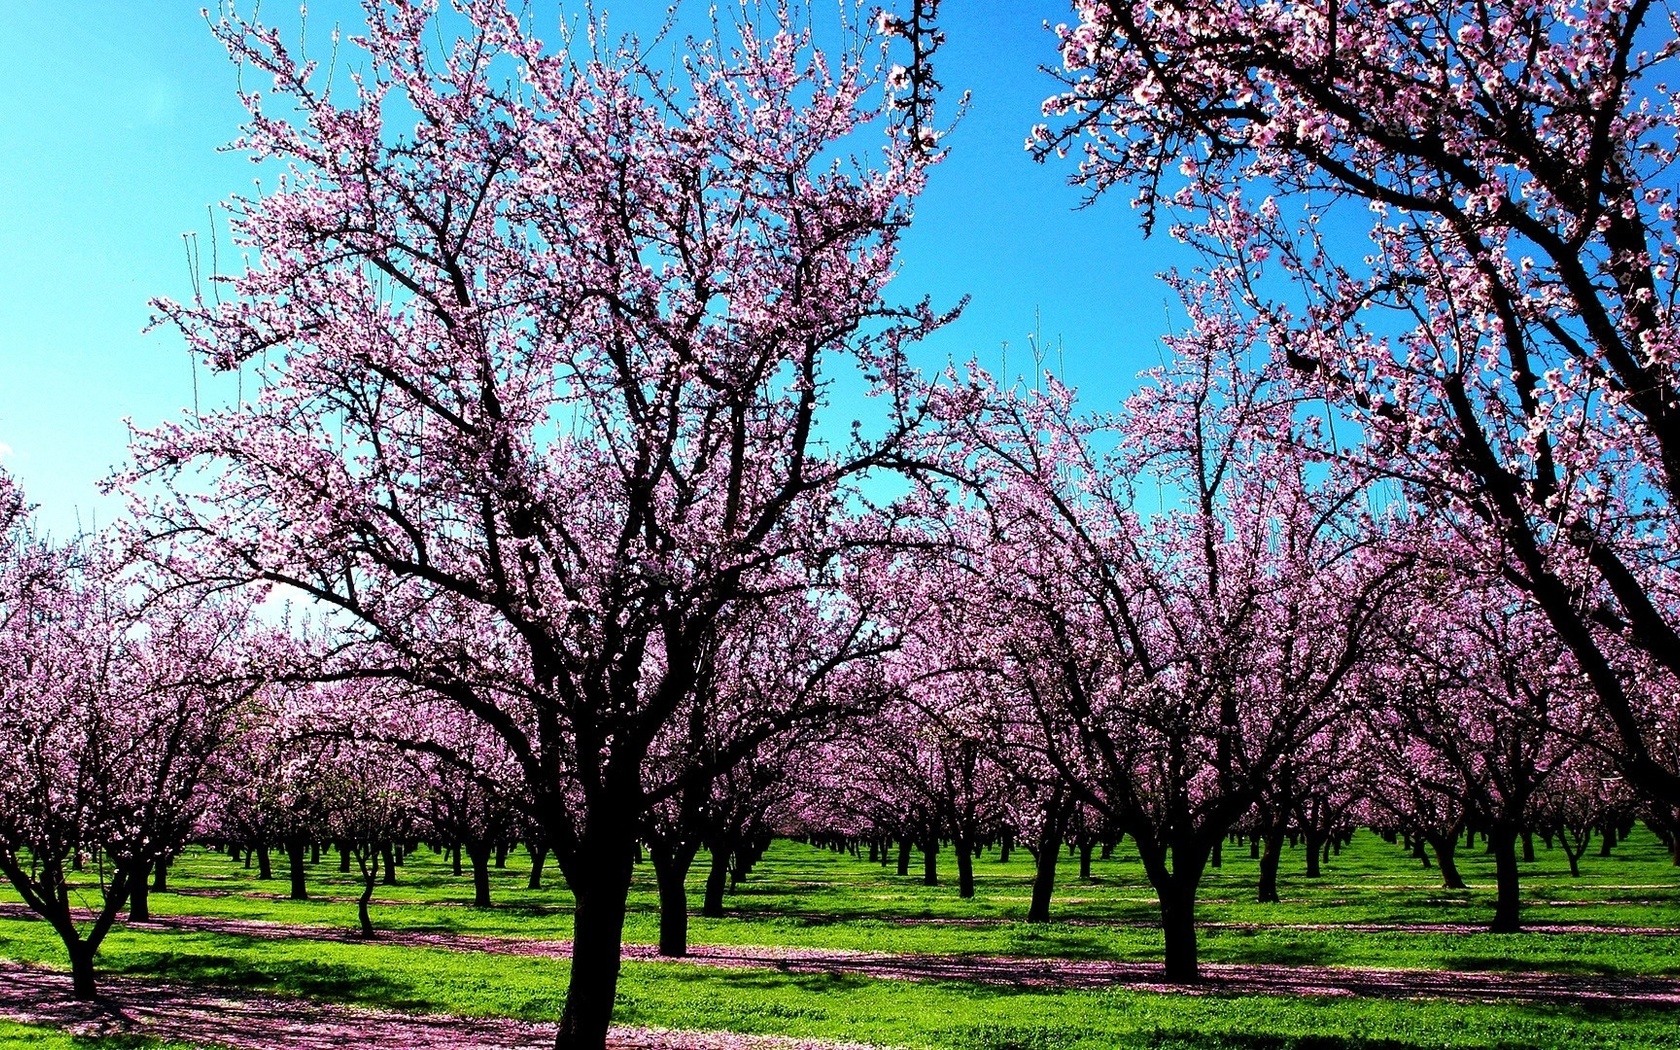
(314, 978)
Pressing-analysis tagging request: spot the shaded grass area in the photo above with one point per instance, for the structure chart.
(940, 1015)
(806, 897)
(15, 1036)
(800, 896)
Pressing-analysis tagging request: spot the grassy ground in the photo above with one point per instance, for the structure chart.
(806, 897)
(21, 1036)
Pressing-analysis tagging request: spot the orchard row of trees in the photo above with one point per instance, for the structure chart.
(542, 438)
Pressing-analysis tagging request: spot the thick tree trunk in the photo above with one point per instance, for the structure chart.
(139, 904)
(1006, 842)
(389, 851)
(370, 876)
(160, 880)
(670, 870)
(1506, 917)
(965, 869)
(1315, 847)
(344, 860)
(1528, 844)
(1178, 924)
(1270, 858)
(930, 863)
(539, 856)
(597, 936)
(1446, 849)
(717, 880)
(1044, 879)
(294, 859)
(265, 864)
(83, 983)
(904, 857)
(480, 854)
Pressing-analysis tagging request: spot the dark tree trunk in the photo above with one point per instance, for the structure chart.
(670, 870)
(1006, 842)
(160, 880)
(717, 880)
(1178, 925)
(1506, 917)
(904, 857)
(1044, 879)
(965, 869)
(501, 854)
(1528, 844)
(539, 856)
(83, 983)
(1217, 858)
(369, 862)
(1270, 858)
(1085, 859)
(265, 864)
(1253, 847)
(139, 904)
(930, 863)
(479, 852)
(294, 859)
(1315, 847)
(390, 853)
(455, 861)
(1446, 849)
(343, 860)
(597, 937)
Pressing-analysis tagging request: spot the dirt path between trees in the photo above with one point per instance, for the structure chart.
(171, 1011)
(1022, 972)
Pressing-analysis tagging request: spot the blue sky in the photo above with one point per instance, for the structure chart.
(112, 112)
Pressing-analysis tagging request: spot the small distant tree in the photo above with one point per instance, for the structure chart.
(113, 699)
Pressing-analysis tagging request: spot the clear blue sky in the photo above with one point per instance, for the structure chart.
(111, 112)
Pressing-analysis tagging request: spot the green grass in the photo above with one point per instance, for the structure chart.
(808, 897)
(19, 1036)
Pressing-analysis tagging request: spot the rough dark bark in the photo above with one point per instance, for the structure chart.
(139, 904)
(480, 854)
(368, 858)
(1507, 908)
(539, 856)
(930, 863)
(904, 857)
(1178, 926)
(600, 889)
(717, 880)
(965, 868)
(1085, 859)
(1315, 849)
(294, 859)
(389, 851)
(1270, 857)
(1446, 850)
(83, 983)
(265, 864)
(160, 880)
(670, 870)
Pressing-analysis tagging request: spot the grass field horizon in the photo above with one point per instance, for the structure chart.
(1373, 907)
